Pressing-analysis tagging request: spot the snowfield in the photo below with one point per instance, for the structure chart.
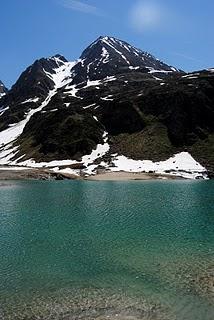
(180, 165)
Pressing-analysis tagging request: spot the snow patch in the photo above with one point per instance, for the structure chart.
(191, 75)
(95, 118)
(30, 100)
(66, 171)
(90, 105)
(105, 56)
(99, 152)
(152, 70)
(112, 46)
(93, 83)
(2, 94)
(13, 168)
(108, 98)
(87, 160)
(134, 68)
(181, 165)
(72, 91)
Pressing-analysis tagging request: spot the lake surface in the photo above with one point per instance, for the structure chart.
(107, 250)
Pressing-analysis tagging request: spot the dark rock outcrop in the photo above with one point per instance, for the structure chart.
(3, 89)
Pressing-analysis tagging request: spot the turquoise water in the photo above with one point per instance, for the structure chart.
(107, 250)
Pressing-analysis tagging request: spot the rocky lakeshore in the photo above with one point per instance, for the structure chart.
(33, 174)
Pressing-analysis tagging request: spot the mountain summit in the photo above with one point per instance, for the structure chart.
(115, 108)
(118, 53)
(108, 56)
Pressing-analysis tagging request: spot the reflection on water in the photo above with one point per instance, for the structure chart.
(118, 250)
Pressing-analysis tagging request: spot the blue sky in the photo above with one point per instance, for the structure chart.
(178, 32)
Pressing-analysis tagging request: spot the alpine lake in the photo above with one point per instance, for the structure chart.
(107, 250)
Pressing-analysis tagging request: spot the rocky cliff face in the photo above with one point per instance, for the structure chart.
(3, 89)
(115, 101)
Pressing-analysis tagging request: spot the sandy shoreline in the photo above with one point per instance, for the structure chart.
(126, 176)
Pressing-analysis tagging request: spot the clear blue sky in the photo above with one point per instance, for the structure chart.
(178, 32)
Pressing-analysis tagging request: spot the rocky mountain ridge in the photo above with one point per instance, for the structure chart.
(115, 101)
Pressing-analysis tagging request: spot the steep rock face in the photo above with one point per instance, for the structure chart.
(3, 89)
(30, 90)
(36, 80)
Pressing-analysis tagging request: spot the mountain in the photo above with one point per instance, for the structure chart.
(34, 85)
(115, 108)
(109, 56)
(3, 89)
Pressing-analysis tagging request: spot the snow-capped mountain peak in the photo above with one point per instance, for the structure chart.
(109, 56)
(123, 53)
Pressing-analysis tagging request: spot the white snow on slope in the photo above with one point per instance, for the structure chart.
(93, 83)
(181, 164)
(2, 94)
(9, 168)
(72, 91)
(62, 74)
(97, 83)
(7, 153)
(87, 161)
(66, 171)
(9, 135)
(108, 98)
(89, 106)
(152, 70)
(134, 68)
(55, 163)
(36, 99)
(191, 75)
(105, 55)
(2, 111)
(60, 77)
(111, 46)
(99, 152)
(109, 79)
